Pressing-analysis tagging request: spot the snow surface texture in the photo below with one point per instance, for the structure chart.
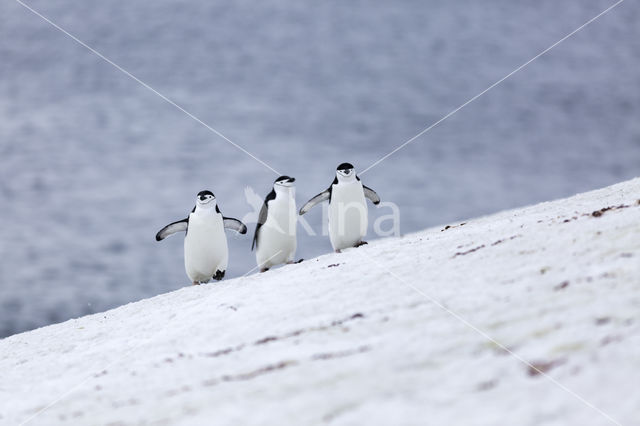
(370, 336)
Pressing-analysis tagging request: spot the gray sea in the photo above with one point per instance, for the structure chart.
(93, 164)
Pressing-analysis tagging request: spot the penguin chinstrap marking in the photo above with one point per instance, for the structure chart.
(206, 253)
(348, 215)
(275, 236)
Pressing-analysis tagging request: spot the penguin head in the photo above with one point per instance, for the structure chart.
(284, 186)
(205, 199)
(345, 172)
(284, 181)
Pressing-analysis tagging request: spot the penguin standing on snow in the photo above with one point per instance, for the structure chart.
(205, 246)
(275, 236)
(347, 208)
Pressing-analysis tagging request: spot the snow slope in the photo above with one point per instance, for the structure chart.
(432, 328)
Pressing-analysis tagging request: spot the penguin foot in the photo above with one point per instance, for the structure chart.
(219, 275)
(263, 270)
(196, 283)
(338, 251)
(361, 243)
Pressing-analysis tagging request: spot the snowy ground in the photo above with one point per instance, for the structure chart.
(432, 328)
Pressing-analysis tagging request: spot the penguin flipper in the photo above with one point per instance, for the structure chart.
(371, 194)
(172, 228)
(235, 224)
(324, 195)
(262, 218)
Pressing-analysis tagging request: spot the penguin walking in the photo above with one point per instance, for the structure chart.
(348, 216)
(205, 245)
(275, 236)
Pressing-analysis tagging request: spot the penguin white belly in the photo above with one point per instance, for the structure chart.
(277, 236)
(205, 247)
(348, 218)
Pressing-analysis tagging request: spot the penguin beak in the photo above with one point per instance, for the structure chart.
(291, 180)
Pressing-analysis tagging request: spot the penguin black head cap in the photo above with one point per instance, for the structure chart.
(285, 179)
(203, 194)
(345, 166)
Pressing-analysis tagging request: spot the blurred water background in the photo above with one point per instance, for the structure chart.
(92, 164)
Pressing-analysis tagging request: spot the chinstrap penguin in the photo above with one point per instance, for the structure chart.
(205, 245)
(348, 215)
(275, 236)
